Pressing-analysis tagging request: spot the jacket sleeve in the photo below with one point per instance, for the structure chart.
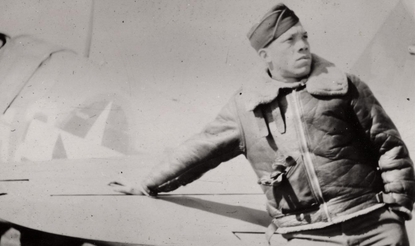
(219, 141)
(395, 165)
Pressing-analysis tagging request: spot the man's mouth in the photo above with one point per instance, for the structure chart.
(304, 58)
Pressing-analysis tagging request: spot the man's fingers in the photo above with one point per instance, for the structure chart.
(119, 181)
(128, 191)
(115, 183)
(126, 188)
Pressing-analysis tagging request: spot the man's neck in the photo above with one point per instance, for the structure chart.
(278, 77)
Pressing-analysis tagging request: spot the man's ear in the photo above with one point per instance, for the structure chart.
(263, 53)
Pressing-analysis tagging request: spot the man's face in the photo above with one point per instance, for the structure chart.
(289, 55)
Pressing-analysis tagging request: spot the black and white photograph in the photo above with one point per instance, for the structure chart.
(207, 123)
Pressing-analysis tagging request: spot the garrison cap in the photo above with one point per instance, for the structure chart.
(274, 23)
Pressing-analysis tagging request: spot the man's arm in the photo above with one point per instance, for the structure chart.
(219, 141)
(396, 167)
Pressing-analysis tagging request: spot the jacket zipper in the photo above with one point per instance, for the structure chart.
(311, 173)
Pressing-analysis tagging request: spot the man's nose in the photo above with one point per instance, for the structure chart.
(303, 45)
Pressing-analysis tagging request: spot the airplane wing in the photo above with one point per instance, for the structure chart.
(67, 197)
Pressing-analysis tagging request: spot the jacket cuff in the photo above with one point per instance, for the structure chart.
(397, 202)
(407, 214)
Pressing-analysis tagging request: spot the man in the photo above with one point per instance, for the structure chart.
(330, 161)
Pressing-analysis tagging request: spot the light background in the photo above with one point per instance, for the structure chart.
(179, 61)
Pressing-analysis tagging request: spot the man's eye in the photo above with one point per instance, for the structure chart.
(305, 36)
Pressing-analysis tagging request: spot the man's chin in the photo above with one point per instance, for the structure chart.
(303, 73)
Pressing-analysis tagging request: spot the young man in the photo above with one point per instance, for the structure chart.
(330, 161)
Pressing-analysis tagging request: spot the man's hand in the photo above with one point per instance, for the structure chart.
(125, 187)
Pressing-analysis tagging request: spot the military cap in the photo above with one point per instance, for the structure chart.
(274, 23)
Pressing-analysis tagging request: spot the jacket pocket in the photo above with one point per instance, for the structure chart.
(294, 194)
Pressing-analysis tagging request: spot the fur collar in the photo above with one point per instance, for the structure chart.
(325, 80)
